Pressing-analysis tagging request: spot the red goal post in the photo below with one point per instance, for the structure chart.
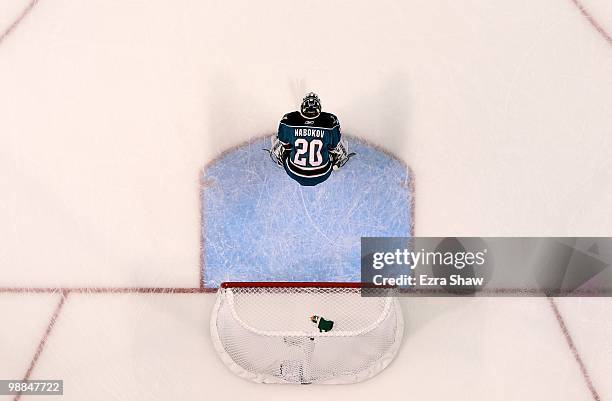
(301, 284)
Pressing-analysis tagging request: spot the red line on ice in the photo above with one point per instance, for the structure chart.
(574, 350)
(13, 26)
(108, 290)
(579, 292)
(43, 340)
(593, 21)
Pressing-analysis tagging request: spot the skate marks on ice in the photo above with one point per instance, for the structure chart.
(260, 225)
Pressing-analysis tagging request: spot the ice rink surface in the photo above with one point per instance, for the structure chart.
(110, 109)
(258, 224)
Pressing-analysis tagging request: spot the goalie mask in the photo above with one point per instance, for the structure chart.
(311, 105)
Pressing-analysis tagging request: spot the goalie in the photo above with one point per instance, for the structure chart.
(309, 144)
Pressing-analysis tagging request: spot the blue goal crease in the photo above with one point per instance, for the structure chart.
(260, 225)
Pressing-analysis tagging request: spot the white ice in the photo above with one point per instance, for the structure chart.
(108, 110)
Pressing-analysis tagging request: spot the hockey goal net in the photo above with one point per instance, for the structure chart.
(305, 332)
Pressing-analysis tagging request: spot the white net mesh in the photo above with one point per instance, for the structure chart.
(266, 333)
